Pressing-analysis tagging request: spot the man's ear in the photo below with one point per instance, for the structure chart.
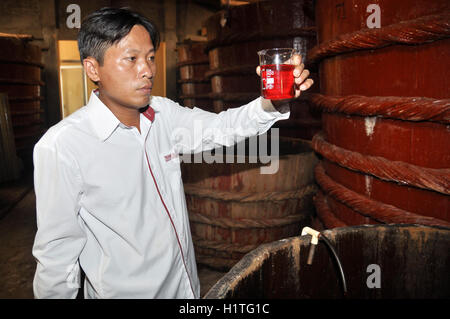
(91, 67)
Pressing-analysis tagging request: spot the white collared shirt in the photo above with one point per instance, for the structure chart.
(110, 198)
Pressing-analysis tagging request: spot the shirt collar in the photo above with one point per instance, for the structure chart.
(103, 120)
(149, 114)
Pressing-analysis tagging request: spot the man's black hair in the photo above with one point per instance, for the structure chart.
(107, 26)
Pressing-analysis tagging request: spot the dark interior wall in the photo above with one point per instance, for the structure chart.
(21, 16)
(154, 10)
(190, 17)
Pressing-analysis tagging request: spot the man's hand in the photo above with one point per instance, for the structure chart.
(301, 82)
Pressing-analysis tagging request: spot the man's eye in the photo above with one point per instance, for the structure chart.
(152, 58)
(131, 58)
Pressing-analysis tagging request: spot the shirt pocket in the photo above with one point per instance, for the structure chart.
(170, 161)
(173, 191)
(171, 166)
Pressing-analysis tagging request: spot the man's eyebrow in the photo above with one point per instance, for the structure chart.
(130, 50)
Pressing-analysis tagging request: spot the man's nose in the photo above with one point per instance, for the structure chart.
(145, 69)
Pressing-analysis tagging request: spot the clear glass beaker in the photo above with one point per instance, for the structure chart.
(277, 78)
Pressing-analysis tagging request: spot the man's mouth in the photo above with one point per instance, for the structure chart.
(147, 89)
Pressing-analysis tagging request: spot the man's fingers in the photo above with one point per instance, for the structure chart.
(298, 70)
(302, 77)
(303, 87)
(296, 59)
(258, 70)
(306, 85)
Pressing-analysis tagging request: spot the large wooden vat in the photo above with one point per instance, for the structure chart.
(20, 78)
(378, 262)
(234, 38)
(386, 112)
(233, 208)
(192, 64)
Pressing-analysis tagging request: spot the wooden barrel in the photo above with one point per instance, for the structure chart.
(386, 112)
(20, 78)
(378, 262)
(233, 207)
(234, 38)
(192, 64)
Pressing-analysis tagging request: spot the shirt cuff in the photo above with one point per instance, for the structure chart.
(268, 112)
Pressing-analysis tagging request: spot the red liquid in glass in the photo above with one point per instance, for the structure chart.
(277, 81)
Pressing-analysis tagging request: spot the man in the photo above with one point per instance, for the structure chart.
(109, 193)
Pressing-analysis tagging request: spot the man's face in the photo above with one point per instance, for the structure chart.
(126, 76)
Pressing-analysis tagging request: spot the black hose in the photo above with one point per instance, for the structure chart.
(328, 243)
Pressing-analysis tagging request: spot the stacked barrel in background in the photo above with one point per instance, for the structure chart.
(192, 64)
(234, 38)
(386, 112)
(233, 207)
(20, 78)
